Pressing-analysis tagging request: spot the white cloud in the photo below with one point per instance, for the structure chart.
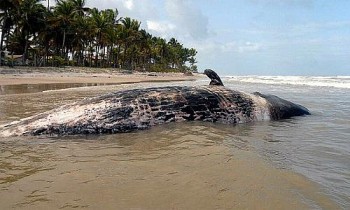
(291, 33)
(129, 4)
(162, 17)
(211, 51)
(230, 47)
(140, 10)
(249, 47)
(164, 29)
(187, 17)
(319, 26)
(300, 3)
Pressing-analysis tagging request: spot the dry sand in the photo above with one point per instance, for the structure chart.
(32, 75)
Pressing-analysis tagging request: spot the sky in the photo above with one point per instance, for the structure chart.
(251, 37)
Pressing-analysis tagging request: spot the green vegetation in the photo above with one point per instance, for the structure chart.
(72, 34)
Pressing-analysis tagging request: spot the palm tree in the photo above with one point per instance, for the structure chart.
(104, 23)
(112, 37)
(7, 8)
(47, 38)
(71, 28)
(144, 52)
(131, 35)
(62, 19)
(192, 60)
(175, 51)
(83, 36)
(162, 50)
(79, 7)
(101, 23)
(30, 19)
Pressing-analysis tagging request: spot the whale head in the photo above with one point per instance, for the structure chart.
(283, 109)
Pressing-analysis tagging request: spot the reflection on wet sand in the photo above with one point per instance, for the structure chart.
(174, 166)
(35, 88)
(17, 106)
(179, 166)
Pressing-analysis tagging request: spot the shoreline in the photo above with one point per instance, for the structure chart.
(53, 75)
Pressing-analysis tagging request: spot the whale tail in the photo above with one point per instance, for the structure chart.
(215, 79)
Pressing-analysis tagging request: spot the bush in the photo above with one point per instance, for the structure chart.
(163, 68)
(57, 61)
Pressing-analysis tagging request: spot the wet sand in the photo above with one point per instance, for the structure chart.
(25, 75)
(174, 166)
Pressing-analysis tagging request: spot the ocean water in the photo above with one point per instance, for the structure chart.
(185, 165)
(317, 146)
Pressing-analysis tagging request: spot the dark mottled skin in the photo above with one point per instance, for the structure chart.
(139, 109)
(143, 108)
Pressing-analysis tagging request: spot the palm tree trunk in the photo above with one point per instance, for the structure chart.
(26, 45)
(4, 31)
(46, 55)
(103, 56)
(125, 56)
(117, 57)
(96, 55)
(81, 56)
(1, 44)
(63, 42)
(108, 54)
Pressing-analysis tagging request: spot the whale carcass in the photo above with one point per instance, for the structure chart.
(138, 109)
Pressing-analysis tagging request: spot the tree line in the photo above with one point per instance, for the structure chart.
(70, 33)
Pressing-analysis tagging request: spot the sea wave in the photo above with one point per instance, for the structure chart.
(318, 81)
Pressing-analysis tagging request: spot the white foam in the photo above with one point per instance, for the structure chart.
(318, 81)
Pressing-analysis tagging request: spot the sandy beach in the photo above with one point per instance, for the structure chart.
(33, 75)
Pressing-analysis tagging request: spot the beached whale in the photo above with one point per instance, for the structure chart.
(138, 109)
